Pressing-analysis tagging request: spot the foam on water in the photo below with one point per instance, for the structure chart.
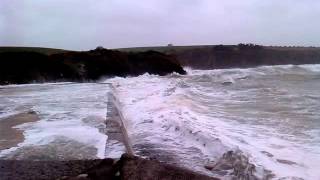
(269, 113)
(71, 111)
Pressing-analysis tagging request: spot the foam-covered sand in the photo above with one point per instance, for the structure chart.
(10, 136)
(75, 113)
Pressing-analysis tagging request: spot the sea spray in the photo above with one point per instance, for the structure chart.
(269, 114)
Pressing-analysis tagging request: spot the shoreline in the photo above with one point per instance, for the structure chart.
(128, 167)
(10, 136)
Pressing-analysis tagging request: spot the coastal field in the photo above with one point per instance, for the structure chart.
(47, 51)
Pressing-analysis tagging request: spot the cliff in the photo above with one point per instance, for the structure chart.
(236, 56)
(32, 66)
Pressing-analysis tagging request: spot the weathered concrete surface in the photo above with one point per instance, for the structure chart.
(115, 125)
(127, 168)
(115, 146)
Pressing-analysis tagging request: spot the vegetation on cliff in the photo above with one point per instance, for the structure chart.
(236, 56)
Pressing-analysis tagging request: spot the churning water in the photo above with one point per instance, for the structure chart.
(72, 119)
(256, 123)
(270, 114)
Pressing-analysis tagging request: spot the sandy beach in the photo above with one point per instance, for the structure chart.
(11, 136)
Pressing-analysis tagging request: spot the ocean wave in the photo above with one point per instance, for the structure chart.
(263, 112)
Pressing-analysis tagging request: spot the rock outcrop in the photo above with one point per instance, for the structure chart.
(25, 67)
(236, 165)
(127, 168)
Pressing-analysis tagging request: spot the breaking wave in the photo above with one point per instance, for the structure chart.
(256, 123)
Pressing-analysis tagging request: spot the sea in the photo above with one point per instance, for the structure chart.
(254, 123)
(269, 114)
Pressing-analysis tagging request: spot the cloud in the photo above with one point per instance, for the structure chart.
(85, 24)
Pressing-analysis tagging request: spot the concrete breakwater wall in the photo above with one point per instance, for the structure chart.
(115, 123)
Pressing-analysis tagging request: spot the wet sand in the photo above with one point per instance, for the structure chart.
(10, 136)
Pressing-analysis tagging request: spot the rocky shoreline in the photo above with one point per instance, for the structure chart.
(18, 67)
(10, 136)
(127, 167)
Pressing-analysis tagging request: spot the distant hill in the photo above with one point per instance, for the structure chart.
(167, 49)
(47, 51)
(164, 49)
(235, 56)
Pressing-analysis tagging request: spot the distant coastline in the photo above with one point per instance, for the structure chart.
(236, 56)
(33, 64)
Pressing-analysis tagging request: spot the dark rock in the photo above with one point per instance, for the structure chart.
(31, 112)
(25, 67)
(226, 83)
(133, 168)
(267, 153)
(209, 166)
(283, 161)
(107, 169)
(236, 165)
(127, 168)
(34, 170)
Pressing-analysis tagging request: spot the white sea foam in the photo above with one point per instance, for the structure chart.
(72, 111)
(270, 113)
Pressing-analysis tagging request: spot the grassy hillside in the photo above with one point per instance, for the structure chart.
(163, 49)
(236, 56)
(167, 49)
(46, 51)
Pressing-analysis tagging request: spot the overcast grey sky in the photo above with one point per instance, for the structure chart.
(85, 24)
